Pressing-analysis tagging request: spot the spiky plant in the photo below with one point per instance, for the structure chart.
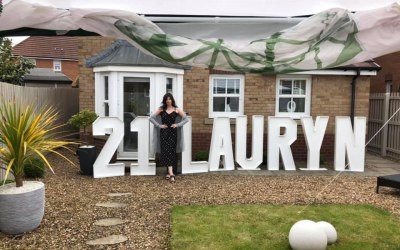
(27, 132)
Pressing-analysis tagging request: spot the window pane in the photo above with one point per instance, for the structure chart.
(300, 105)
(283, 104)
(232, 104)
(285, 87)
(233, 86)
(219, 104)
(299, 87)
(219, 86)
(169, 85)
(105, 87)
(106, 109)
(56, 65)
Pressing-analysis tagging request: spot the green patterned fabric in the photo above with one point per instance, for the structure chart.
(325, 40)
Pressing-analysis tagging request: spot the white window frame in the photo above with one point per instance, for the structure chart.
(101, 101)
(57, 65)
(211, 95)
(307, 96)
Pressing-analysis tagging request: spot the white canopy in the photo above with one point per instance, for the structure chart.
(328, 39)
(248, 8)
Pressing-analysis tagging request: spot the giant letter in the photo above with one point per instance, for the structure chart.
(101, 167)
(189, 166)
(221, 144)
(141, 125)
(257, 142)
(314, 136)
(281, 143)
(350, 144)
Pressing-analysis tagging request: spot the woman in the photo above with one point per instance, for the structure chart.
(168, 133)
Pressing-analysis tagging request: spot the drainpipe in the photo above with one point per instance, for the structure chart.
(353, 96)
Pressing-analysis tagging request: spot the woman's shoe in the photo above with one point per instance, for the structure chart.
(172, 178)
(167, 176)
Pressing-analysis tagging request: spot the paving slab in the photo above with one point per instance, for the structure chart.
(109, 222)
(119, 194)
(111, 204)
(109, 240)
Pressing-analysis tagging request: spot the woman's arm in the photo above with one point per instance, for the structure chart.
(152, 118)
(184, 117)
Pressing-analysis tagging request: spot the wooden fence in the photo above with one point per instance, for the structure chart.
(65, 100)
(382, 107)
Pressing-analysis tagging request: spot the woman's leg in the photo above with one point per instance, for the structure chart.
(167, 175)
(171, 174)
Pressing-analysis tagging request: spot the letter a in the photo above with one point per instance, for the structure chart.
(221, 144)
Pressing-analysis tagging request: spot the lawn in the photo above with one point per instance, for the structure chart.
(267, 226)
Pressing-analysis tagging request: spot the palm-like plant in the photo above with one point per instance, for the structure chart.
(25, 133)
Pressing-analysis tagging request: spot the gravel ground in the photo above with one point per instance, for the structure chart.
(71, 211)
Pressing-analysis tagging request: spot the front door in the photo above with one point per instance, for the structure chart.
(135, 102)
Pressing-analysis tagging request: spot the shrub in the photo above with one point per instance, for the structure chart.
(27, 132)
(82, 120)
(201, 156)
(34, 168)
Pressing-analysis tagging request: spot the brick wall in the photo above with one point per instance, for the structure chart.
(88, 47)
(331, 96)
(68, 68)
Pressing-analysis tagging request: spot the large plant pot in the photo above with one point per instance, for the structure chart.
(21, 209)
(87, 156)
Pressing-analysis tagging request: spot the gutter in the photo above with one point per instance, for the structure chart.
(353, 96)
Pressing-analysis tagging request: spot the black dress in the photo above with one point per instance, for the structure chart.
(168, 140)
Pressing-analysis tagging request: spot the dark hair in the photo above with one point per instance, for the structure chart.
(164, 101)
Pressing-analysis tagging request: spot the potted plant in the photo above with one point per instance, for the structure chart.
(25, 134)
(86, 153)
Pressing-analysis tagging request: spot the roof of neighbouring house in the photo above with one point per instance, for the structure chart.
(122, 53)
(367, 65)
(60, 47)
(43, 74)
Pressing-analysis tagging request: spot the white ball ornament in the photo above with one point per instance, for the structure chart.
(329, 230)
(307, 235)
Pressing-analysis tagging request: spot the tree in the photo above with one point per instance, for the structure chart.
(12, 69)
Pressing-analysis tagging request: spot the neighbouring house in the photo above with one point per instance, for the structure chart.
(56, 60)
(118, 80)
(388, 79)
(42, 77)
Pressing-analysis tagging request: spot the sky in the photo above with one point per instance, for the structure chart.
(17, 39)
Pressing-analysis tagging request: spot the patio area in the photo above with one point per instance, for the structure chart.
(144, 203)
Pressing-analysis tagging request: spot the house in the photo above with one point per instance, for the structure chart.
(56, 60)
(43, 77)
(118, 80)
(388, 79)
